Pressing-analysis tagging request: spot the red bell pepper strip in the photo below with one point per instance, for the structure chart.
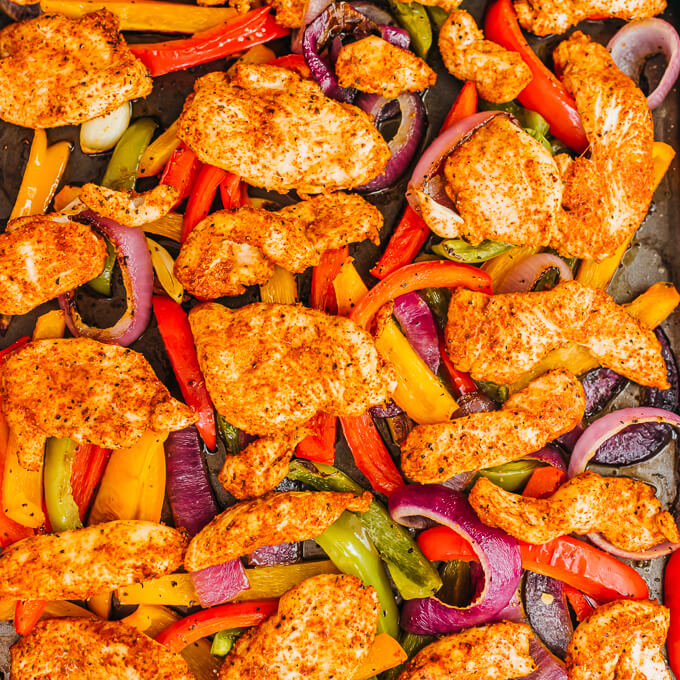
(544, 481)
(463, 383)
(293, 62)
(582, 608)
(464, 106)
(545, 94)
(89, 463)
(672, 601)
(26, 614)
(231, 191)
(201, 198)
(576, 563)
(182, 633)
(174, 328)
(412, 277)
(254, 28)
(181, 171)
(15, 345)
(319, 447)
(323, 294)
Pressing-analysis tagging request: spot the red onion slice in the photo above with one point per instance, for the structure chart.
(551, 455)
(498, 553)
(644, 38)
(220, 583)
(417, 322)
(312, 11)
(273, 555)
(526, 273)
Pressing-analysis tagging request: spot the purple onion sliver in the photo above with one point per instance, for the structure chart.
(550, 455)
(459, 481)
(220, 583)
(474, 402)
(601, 385)
(417, 322)
(568, 441)
(387, 410)
(395, 36)
(274, 555)
(373, 12)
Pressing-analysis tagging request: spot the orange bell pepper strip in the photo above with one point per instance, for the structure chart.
(323, 293)
(320, 446)
(464, 106)
(672, 601)
(27, 614)
(544, 481)
(202, 195)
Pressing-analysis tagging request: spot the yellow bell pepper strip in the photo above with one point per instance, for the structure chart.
(66, 195)
(52, 324)
(163, 265)
(61, 508)
(100, 605)
(384, 653)
(22, 491)
(157, 154)
(169, 225)
(153, 489)
(600, 274)
(281, 287)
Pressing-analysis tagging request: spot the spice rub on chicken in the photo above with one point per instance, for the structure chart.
(74, 565)
(232, 249)
(83, 389)
(42, 257)
(316, 144)
(92, 649)
(625, 511)
(58, 71)
(269, 368)
(620, 640)
(323, 629)
(278, 517)
(499, 74)
(547, 408)
(498, 338)
(543, 17)
(376, 66)
(499, 651)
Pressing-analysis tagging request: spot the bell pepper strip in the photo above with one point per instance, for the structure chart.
(184, 632)
(576, 563)
(158, 153)
(245, 30)
(459, 250)
(412, 17)
(383, 654)
(464, 106)
(201, 197)
(22, 490)
(230, 191)
(350, 548)
(293, 62)
(511, 476)
(181, 171)
(281, 288)
(89, 463)
(672, 601)
(67, 194)
(173, 325)
(151, 498)
(578, 602)
(169, 226)
(62, 509)
(15, 345)
(405, 243)
(462, 382)
(543, 482)
(224, 641)
(52, 324)
(323, 294)
(100, 605)
(164, 267)
(545, 94)
(501, 265)
(320, 446)
(27, 614)
(229, 435)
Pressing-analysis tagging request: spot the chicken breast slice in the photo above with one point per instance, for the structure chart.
(320, 145)
(499, 74)
(74, 565)
(498, 338)
(543, 17)
(58, 71)
(547, 408)
(232, 249)
(269, 368)
(625, 511)
(83, 389)
(92, 649)
(499, 651)
(278, 517)
(376, 66)
(44, 257)
(620, 640)
(323, 629)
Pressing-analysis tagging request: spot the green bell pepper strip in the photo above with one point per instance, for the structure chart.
(229, 435)
(224, 641)
(348, 545)
(438, 300)
(102, 284)
(510, 476)
(61, 508)
(533, 122)
(413, 17)
(437, 16)
(413, 574)
(461, 251)
(498, 393)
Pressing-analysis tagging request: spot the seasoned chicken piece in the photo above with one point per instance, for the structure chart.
(543, 17)
(505, 185)
(498, 338)
(83, 389)
(289, 13)
(547, 408)
(57, 71)
(92, 649)
(374, 65)
(625, 511)
(606, 196)
(232, 249)
(73, 565)
(278, 517)
(499, 651)
(323, 629)
(270, 368)
(43, 258)
(317, 145)
(620, 640)
(499, 74)
(128, 207)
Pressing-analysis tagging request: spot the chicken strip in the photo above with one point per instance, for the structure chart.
(547, 408)
(278, 517)
(499, 74)
(83, 389)
(128, 207)
(374, 65)
(499, 651)
(323, 629)
(625, 511)
(232, 249)
(92, 649)
(321, 145)
(620, 640)
(58, 71)
(74, 565)
(498, 338)
(543, 17)
(45, 257)
(270, 368)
